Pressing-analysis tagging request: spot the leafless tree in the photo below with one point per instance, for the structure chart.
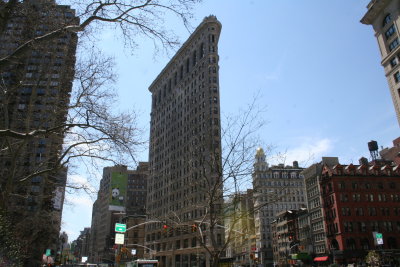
(222, 174)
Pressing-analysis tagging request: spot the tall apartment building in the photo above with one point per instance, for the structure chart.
(82, 244)
(312, 176)
(122, 194)
(276, 188)
(384, 16)
(34, 93)
(185, 152)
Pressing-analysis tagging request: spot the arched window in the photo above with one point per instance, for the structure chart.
(386, 20)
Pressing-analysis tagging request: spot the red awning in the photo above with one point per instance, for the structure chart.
(325, 258)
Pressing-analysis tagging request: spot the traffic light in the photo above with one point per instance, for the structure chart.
(194, 228)
(124, 250)
(290, 238)
(165, 227)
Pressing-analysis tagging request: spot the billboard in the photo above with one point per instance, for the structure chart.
(119, 182)
(58, 198)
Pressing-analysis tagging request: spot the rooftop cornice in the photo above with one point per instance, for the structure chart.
(374, 8)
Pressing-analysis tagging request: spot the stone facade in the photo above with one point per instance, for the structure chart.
(185, 152)
(384, 16)
(276, 188)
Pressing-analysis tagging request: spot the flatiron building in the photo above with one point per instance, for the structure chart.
(185, 142)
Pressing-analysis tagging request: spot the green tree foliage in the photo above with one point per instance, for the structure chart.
(373, 259)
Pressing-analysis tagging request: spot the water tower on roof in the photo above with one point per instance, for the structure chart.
(373, 149)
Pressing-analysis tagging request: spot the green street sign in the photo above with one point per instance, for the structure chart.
(48, 252)
(120, 227)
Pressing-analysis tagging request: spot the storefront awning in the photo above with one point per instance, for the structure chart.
(300, 256)
(324, 258)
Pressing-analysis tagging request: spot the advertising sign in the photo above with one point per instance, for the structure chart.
(58, 198)
(119, 239)
(119, 183)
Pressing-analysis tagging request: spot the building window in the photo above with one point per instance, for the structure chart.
(342, 185)
(187, 65)
(181, 73)
(359, 212)
(396, 77)
(394, 44)
(350, 244)
(202, 50)
(386, 20)
(354, 185)
(194, 61)
(380, 185)
(393, 62)
(390, 31)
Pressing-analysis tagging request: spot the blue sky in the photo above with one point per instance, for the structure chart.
(316, 67)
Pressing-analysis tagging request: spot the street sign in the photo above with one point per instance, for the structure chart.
(48, 252)
(119, 239)
(120, 227)
(378, 238)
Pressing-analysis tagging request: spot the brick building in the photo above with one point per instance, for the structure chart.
(358, 200)
(392, 153)
(316, 231)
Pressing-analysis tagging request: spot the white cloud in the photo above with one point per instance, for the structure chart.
(80, 180)
(77, 214)
(308, 151)
(81, 201)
